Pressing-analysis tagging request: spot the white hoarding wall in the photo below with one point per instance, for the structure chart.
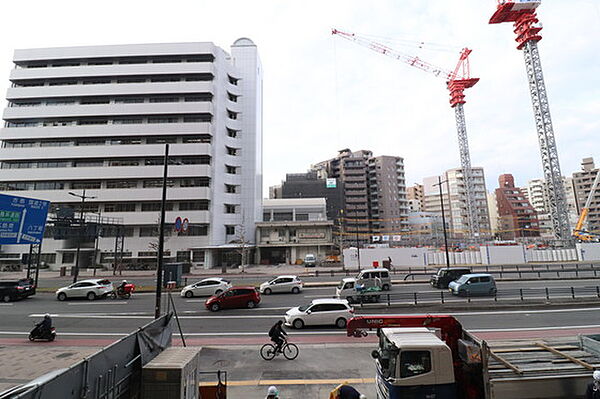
(588, 252)
(400, 257)
(502, 255)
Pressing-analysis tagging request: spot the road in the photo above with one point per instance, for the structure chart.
(109, 319)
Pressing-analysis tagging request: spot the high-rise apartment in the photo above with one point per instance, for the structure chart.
(414, 195)
(374, 191)
(517, 218)
(97, 119)
(582, 183)
(455, 201)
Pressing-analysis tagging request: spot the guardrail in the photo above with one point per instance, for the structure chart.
(512, 294)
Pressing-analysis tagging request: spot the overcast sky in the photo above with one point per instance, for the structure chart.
(323, 94)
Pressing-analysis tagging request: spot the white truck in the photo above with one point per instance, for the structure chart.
(427, 356)
(354, 292)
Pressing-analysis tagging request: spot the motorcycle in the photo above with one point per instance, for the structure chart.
(46, 335)
(124, 293)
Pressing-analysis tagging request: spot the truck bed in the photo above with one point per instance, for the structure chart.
(557, 368)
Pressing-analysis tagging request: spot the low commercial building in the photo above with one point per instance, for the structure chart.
(291, 229)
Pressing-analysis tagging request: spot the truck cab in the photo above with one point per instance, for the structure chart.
(413, 363)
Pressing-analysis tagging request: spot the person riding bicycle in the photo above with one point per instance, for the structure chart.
(277, 334)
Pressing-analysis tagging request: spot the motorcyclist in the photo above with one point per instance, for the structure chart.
(593, 388)
(121, 288)
(277, 334)
(272, 393)
(44, 326)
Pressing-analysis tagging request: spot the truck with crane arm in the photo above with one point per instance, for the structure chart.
(433, 357)
(579, 232)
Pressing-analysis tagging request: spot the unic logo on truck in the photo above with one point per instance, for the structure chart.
(375, 321)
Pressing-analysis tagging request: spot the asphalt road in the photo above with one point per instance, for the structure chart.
(112, 318)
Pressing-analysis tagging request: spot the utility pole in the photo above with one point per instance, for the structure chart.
(81, 231)
(161, 235)
(439, 184)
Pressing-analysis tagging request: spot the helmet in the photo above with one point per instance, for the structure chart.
(362, 396)
(124, 281)
(272, 390)
(47, 316)
(596, 375)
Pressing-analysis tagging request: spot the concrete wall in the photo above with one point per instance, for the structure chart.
(588, 252)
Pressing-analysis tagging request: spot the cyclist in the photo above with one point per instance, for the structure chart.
(277, 334)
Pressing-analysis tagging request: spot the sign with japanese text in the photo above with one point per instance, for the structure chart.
(22, 220)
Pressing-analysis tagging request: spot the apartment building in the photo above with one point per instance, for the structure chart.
(374, 192)
(97, 118)
(414, 195)
(582, 184)
(455, 202)
(517, 218)
(536, 193)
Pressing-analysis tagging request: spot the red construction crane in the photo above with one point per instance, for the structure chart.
(457, 81)
(527, 29)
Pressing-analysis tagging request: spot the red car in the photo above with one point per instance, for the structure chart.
(234, 298)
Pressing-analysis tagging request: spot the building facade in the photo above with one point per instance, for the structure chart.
(582, 184)
(291, 229)
(97, 119)
(374, 193)
(517, 218)
(414, 195)
(310, 185)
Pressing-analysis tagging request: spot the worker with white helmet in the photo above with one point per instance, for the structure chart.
(593, 388)
(272, 393)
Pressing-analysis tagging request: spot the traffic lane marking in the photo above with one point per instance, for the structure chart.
(6, 304)
(96, 303)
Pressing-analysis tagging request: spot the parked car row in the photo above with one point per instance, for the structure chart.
(461, 281)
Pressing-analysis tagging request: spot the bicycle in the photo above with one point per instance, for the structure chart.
(289, 351)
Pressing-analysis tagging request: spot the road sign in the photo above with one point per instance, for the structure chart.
(185, 225)
(178, 223)
(331, 183)
(22, 220)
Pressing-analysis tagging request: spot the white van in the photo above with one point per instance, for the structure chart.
(370, 277)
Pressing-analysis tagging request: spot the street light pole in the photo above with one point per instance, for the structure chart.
(81, 223)
(440, 182)
(161, 235)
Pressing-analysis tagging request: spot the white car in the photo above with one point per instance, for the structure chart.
(207, 287)
(282, 284)
(90, 289)
(326, 311)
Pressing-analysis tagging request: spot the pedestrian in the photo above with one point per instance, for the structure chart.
(345, 391)
(390, 263)
(593, 388)
(272, 393)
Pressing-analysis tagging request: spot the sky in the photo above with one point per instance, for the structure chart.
(323, 93)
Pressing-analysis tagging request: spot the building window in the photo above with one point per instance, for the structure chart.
(157, 183)
(230, 230)
(201, 230)
(200, 205)
(232, 80)
(120, 207)
(231, 188)
(156, 206)
(161, 140)
(232, 151)
(197, 256)
(121, 184)
(81, 185)
(232, 97)
(183, 256)
(205, 138)
(230, 208)
(232, 133)
(68, 257)
(232, 115)
(163, 120)
(232, 170)
(148, 231)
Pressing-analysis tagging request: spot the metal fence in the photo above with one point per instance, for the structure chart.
(524, 295)
(112, 373)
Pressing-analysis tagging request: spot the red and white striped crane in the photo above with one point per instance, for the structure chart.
(457, 81)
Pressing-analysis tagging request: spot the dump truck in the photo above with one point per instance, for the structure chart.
(434, 357)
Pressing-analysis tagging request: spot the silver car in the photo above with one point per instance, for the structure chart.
(90, 289)
(207, 287)
(282, 284)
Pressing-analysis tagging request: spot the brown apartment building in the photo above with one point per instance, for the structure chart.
(517, 218)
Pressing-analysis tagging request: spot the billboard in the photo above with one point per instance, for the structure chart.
(22, 220)
(330, 183)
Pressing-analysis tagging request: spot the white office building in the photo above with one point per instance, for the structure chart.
(97, 119)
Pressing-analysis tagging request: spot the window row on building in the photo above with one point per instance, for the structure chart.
(105, 120)
(92, 141)
(128, 79)
(156, 59)
(103, 100)
(101, 162)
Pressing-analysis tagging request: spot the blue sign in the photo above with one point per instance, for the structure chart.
(22, 220)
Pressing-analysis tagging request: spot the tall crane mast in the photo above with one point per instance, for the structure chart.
(457, 81)
(527, 29)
